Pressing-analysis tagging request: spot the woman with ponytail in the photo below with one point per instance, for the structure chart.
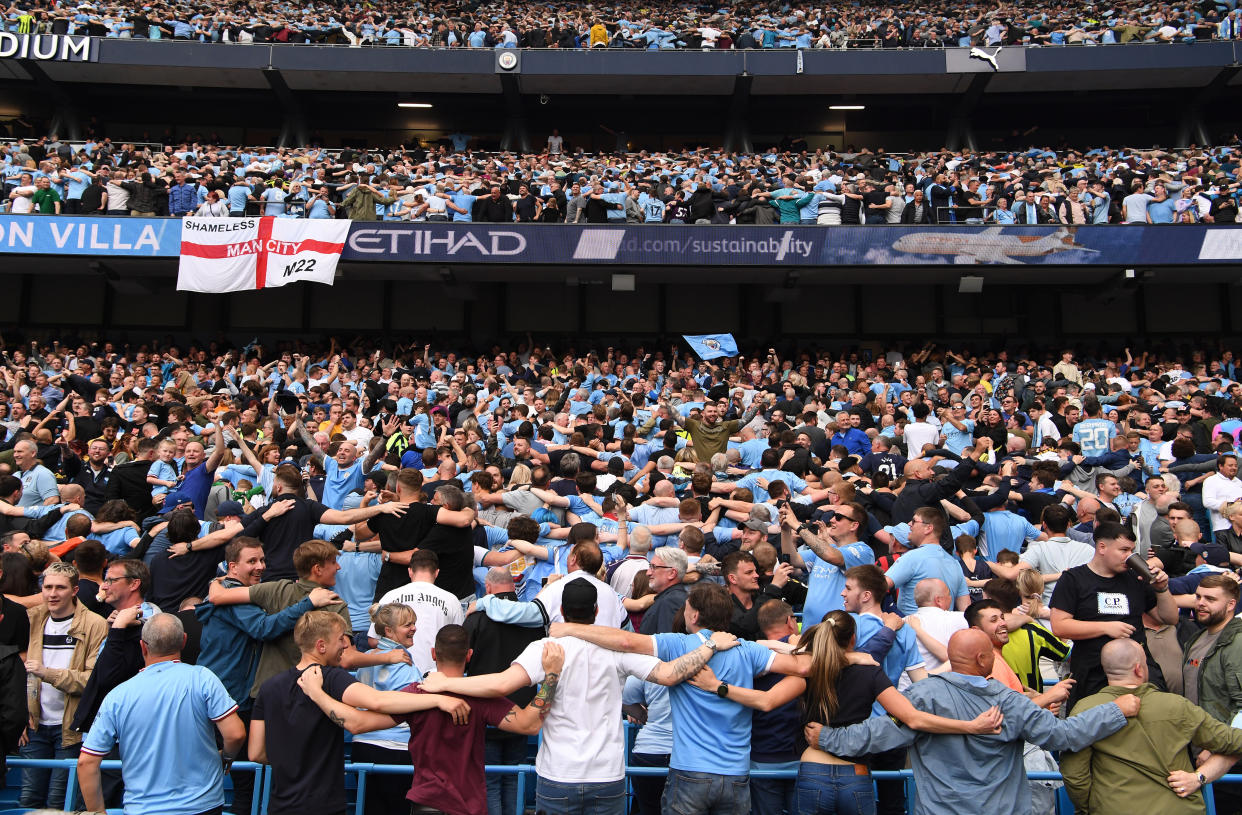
(841, 691)
(394, 625)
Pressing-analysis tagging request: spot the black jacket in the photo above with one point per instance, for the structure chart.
(129, 481)
(120, 660)
(660, 618)
(92, 483)
(907, 214)
(493, 211)
(929, 493)
(496, 645)
(1041, 217)
(12, 701)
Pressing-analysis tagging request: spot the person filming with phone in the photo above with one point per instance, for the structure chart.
(1103, 600)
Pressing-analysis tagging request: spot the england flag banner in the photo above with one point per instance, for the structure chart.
(244, 254)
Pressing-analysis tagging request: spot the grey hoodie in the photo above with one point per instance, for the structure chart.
(968, 774)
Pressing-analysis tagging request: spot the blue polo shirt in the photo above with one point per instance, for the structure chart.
(195, 487)
(956, 440)
(164, 719)
(751, 482)
(824, 585)
(710, 734)
(1003, 529)
(902, 656)
(928, 560)
(57, 531)
(117, 542)
(338, 483)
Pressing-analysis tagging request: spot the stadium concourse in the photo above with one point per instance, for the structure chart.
(756, 554)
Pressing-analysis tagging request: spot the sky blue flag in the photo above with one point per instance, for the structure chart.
(710, 346)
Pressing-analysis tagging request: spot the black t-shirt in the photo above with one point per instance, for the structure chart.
(858, 686)
(874, 198)
(282, 535)
(400, 534)
(173, 579)
(305, 749)
(1087, 597)
(88, 590)
(455, 548)
(15, 627)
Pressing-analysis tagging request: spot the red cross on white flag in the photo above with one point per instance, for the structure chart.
(244, 254)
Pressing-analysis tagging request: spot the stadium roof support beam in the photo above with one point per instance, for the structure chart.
(961, 136)
(65, 120)
(1190, 124)
(293, 130)
(737, 132)
(515, 136)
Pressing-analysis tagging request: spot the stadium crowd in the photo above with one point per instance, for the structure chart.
(215, 551)
(451, 182)
(662, 25)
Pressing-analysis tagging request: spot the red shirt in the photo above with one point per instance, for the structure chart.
(448, 758)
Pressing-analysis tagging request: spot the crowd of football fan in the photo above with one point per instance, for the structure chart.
(1002, 537)
(662, 25)
(450, 182)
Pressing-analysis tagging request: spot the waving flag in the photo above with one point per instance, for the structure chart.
(710, 346)
(244, 254)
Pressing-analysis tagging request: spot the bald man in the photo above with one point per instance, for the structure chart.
(973, 773)
(935, 621)
(1145, 767)
(924, 489)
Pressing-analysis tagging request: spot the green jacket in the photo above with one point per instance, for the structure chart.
(1128, 771)
(361, 204)
(1220, 674)
(789, 205)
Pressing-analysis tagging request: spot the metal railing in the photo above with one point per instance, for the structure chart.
(263, 779)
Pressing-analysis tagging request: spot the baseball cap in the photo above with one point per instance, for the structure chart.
(227, 508)
(579, 597)
(757, 521)
(179, 501)
(1212, 553)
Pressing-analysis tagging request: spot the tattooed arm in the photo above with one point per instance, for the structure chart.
(527, 720)
(381, 706)
(666, 673)
(687, 665)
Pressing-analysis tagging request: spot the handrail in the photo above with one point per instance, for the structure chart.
(263, 778)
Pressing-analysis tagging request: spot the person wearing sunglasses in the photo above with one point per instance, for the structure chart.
(835, 549)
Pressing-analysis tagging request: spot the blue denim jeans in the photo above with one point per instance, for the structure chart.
(689, 793)
(604, 798)
(834, 789)
(773, 796)
(45, 788)
(503, 748)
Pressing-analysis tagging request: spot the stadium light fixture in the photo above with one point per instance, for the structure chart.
(847, 107)
(970, 284)
(413, 104)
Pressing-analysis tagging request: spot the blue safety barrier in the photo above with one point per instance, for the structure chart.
(264, 779)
